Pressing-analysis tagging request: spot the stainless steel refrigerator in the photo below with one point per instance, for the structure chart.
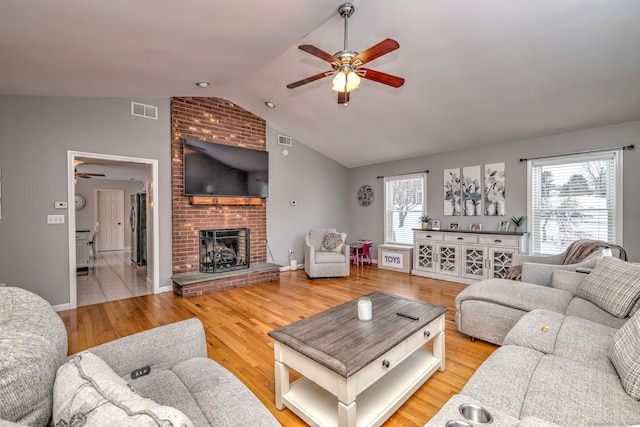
(138, 220)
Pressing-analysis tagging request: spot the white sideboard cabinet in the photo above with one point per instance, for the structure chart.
(465, 256)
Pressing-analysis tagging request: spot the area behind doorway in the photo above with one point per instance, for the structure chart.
(113, 179)
(112, 277)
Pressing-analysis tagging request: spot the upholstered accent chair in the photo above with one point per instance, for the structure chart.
(326, 255)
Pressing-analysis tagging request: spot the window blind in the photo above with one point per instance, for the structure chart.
(405, 202)
(573, 197)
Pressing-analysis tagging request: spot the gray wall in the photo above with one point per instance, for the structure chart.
(370, 219)
(37, 132)
(86, 218)
(317, 183)
(35, 135)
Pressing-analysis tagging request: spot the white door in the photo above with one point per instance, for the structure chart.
(111, 219)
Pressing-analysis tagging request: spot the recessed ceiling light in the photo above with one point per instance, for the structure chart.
(202, 84)
(270, 104)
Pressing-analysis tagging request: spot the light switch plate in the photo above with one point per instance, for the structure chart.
(60, 205)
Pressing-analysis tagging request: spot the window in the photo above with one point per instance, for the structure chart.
(574, 197)
(404, 203)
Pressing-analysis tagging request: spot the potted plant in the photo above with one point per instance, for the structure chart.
(426, 221)
(518, 221)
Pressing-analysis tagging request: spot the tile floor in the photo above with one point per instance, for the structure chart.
(113, 277)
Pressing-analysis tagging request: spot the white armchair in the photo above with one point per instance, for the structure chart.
(322, 263)
(538, 268)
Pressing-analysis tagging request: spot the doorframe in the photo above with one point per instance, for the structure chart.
(152, 188)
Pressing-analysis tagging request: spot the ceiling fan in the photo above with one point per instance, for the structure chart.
(347, 64)
(83, 174)
(86, 175)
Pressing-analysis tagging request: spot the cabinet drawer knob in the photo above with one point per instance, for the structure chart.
(460, 238)
(427, 334)
(385, 363)
(498, 241)
(428, 236)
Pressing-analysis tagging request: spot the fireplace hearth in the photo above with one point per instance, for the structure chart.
(224, 250)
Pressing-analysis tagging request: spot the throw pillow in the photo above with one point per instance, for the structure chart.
(613, 285)
(87, 392)
(625, 356)
(333, 242)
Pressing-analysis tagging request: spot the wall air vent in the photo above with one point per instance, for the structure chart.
(284, 140)
(143, 110)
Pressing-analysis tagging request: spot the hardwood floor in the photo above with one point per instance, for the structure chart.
(237, 321)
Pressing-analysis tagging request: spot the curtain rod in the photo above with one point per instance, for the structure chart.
(400, 174)
(624, 147)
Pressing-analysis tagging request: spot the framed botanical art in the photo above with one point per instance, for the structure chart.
(452, 191)
(494, 189)
(471, 191)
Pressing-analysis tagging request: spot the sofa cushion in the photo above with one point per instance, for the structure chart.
(32, 348)
(333, 242)
(208, 393)
(573, 338)
(87, 391)
(537, 330)
(316, 236)
(569, 393)
(330, 257)
(613, 285)
(625, 356)
(502, 380)
(584, 309)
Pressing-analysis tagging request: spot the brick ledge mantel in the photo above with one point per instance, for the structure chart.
(193, 284)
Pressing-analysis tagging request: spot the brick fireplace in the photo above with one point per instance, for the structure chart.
(220, 121)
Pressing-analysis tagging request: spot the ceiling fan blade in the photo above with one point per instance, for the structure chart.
(380, 77)
(309, 79)
(343, 97)
(382, 48)
(318, 53)
(88, 175)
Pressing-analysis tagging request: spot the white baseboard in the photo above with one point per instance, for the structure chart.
(288, 268)
(62, 307)
(165, 289)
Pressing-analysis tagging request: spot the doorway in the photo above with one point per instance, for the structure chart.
(112, 234)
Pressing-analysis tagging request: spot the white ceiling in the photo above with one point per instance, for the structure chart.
(477, 72)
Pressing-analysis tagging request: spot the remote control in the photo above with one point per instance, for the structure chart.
(408, 316)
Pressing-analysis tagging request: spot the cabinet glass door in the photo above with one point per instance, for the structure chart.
(474, 262)
(500, 262)
(447, 262)
(424, 256)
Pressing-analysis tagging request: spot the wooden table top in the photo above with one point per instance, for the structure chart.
(338, 340)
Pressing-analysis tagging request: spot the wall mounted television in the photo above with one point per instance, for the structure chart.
(212, 169)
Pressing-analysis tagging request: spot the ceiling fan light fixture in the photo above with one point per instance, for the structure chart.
(350, 79)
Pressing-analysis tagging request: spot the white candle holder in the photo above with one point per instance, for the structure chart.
(365, 310)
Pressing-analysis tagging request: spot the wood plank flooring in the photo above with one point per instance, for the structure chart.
(237, 322)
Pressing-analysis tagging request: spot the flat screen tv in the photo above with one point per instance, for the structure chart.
(223, 170)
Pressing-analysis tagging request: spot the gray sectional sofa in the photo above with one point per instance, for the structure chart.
(570, 353)
(157, 377)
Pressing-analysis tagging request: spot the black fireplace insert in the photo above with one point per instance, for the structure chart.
(224, 250)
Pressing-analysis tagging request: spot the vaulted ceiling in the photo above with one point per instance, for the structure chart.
(477, 72)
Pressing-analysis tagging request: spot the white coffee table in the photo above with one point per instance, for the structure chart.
(357, 373)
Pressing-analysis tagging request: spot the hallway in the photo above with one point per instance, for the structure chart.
(113, 277)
